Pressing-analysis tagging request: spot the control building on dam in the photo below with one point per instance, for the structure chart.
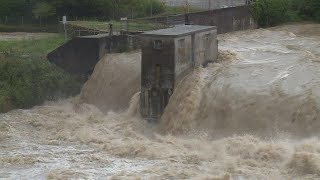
(167, 56)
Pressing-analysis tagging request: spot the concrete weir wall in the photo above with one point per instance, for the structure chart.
(226, 19)
(80, 55)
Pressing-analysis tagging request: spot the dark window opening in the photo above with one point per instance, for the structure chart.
(181, 43)
(157, 44)
(207, 37)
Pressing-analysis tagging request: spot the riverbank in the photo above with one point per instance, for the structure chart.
(26, 77)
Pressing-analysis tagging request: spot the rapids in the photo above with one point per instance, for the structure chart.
(253, 115)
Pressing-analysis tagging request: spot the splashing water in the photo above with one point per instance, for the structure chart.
(252, 115)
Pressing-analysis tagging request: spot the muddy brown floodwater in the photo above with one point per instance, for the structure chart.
(253, 115)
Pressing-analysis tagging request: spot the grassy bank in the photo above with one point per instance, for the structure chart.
(140, 24)
(29, 28)
(172, 10)
(274, 12)
(27, 78)
(133, 26)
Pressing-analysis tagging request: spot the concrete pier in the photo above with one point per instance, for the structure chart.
(167, 56)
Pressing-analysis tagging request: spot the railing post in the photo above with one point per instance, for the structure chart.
(110, 37)
(127, 25)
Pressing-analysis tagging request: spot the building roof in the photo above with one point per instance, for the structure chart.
(181, 30)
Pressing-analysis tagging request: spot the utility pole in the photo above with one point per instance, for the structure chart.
(209, 3)
(187, 6)
(110, 37)
(186, 12)
(64, 21)
(151, 8)
(131, 13)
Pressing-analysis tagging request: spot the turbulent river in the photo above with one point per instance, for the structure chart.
(253, 115)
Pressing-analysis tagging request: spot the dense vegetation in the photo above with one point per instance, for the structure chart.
(110, 9)
(273, 12)
(27, 78)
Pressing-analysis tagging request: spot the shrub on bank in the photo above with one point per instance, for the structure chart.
(274, 12)
(270, 12)
(110, 9)
(25, 83)
(27, 78)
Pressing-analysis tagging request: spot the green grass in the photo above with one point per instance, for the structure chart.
(27, 78)
(133, 26)
(26, 48)
(172, 10)
(28, 28)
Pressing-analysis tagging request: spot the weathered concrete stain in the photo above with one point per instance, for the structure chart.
(167, 56)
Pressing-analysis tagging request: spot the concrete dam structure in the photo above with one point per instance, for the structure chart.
(80, 55)
(253, 115)
(167, 56)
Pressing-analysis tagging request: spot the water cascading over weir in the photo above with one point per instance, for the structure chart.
(167, 56)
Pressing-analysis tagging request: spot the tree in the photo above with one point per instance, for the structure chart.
(273, 12)
(270, 12)
(44, 9)
(111, 9)
(140, 8)
(12, 7)
(307, 9)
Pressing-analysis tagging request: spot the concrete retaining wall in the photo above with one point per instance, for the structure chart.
(226, 19)
(80, 55)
